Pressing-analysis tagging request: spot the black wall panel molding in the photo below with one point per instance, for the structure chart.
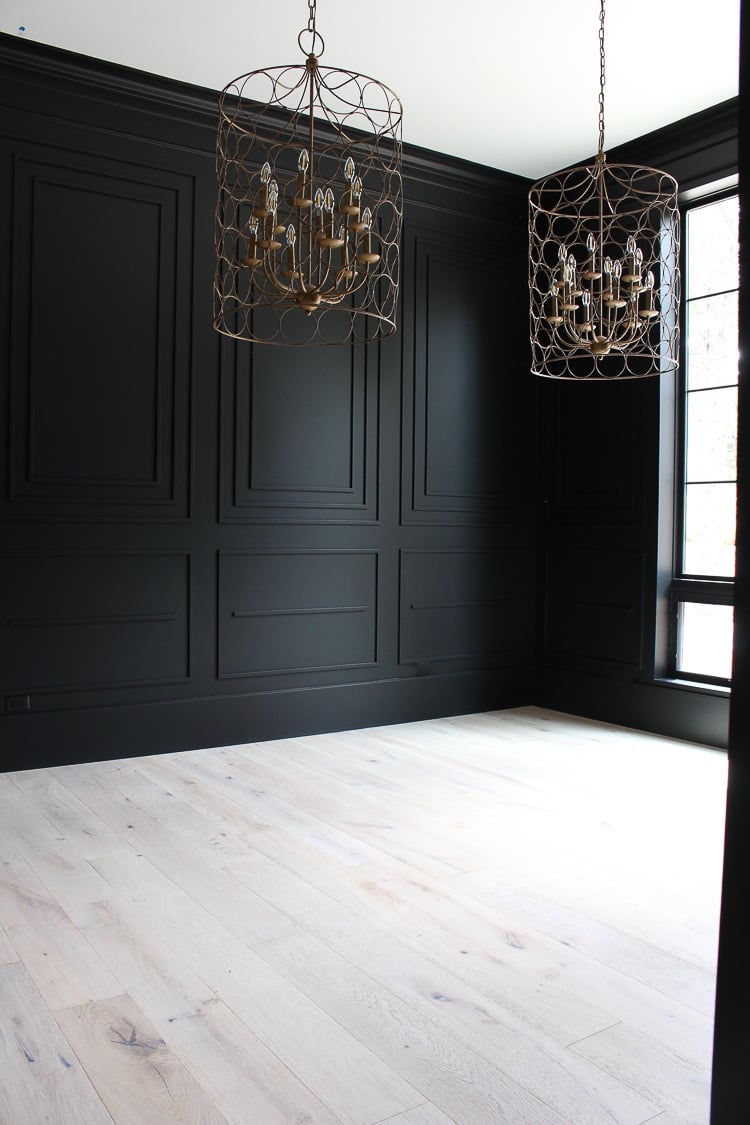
(98, 425)
(461, 605)
(206, 543)
(462, 458)
(594, 600)
(83, 622)
(593, 476)
(599, 513)
(220, 524)
(300, 435)
(296, 611)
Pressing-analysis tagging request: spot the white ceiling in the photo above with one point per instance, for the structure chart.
(510, 85)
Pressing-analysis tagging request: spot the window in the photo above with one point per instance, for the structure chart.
(702, 592)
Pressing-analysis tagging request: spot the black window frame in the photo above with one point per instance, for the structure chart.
(690, 588)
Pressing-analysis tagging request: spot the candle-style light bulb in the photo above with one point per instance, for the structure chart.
(261, 210)
(328, 204)
(346, 273)
(631, 271)
(348, 206)
(591, 272)
(251, 259)
(268, 241)
(291, 240)
(327, 237)
(318, 204)
(562, 257)
(585, 324)
(554, 318)
(355, 223)
(302, 195)
(649, 311)
(366, 255)
(612, 297)
(571, 276)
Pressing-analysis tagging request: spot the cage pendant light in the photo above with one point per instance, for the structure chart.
(604, 267)
(308, 215)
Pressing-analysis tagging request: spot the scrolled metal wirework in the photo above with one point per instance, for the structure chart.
(604, 279)
(309, 207)
(604, 272)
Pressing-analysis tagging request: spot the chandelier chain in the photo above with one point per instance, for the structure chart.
(602, 78)
(311, 16)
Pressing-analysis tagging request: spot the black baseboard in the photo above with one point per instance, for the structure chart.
(66, 737)
(671, 710)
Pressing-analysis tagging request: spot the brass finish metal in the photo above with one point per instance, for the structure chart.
(604, 277)
(309, 209)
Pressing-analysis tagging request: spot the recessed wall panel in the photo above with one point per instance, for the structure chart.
(292, 611)
(462, 605)
(100, 340)
(300, 433)
(465, 409)
(594, 606)
(76, 621)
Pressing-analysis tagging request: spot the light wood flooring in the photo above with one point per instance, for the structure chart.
(509, 917)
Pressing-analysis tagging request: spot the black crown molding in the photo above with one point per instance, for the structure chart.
(25, 63)
(695, 150)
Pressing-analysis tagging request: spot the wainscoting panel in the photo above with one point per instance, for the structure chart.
(78, 622)
(463, 605)
(594, 447)
(296, 611)
(594, 607)
(100, 338)
(461, 386)
(299, 434)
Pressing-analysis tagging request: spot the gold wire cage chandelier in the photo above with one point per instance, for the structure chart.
(604, 275)
(309, 208)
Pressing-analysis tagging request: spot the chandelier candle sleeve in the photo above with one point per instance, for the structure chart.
(616, 314)
(308, 215)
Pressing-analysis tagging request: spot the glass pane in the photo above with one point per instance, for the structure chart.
(713, 259)
(712, 351)
(710, 515)
(712, 435)
(705, 635)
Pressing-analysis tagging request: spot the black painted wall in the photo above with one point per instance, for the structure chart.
(206, 543)
(606, 452)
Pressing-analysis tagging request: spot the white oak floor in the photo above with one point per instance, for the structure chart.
(508, 917)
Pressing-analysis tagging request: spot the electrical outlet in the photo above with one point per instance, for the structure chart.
(15, 703)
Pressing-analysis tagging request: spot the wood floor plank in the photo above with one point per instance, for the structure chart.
(132, 1068)
(57, 956)
(647, 1066)
(62, 869)
(8, 952)
(559, 990)
(421, 840)
(416, 924)
(251, 917)
(688, 982)
(70, 817)
(421, 1115)
(524, 1057)
(218, 771)
(41, 1079)
(460, 1081)
(173, 962)
(246, 1080)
